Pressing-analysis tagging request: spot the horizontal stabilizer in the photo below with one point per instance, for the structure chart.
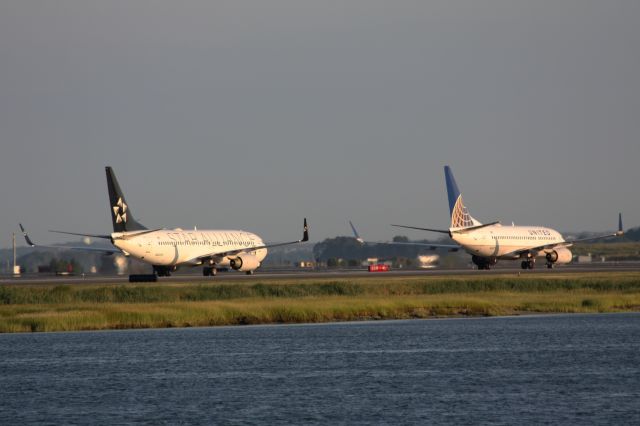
(473, 228)
(103, 250)
(442, 231)
(429, 246)
(106, 237)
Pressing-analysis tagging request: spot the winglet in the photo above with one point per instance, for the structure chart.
(620, 229)
(355, 233)
(26, 236)
(305, 236)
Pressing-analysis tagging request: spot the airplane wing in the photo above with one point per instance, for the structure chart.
(450, 247)
(569, 243)
(105, 250)
(516, 253)
(221, 254)
(431, 246)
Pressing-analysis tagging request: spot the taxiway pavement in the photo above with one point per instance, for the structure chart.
(268, 275)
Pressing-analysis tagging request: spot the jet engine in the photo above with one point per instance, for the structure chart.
(244, 262)
(559, 255)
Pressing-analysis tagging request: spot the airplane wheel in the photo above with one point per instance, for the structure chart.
(249, 272)
(524, 264)
(162, 271)
(143, 278)
(549, 265)
(209, 271)
(531, 263)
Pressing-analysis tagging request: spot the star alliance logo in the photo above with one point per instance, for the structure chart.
(120, 211)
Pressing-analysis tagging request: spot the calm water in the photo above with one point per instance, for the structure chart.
(548, 369)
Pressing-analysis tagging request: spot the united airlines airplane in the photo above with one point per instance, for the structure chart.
(166, 250)
(486, 243)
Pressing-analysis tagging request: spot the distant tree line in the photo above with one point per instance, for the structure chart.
(347, 252)
(632, 235)
(55, 261)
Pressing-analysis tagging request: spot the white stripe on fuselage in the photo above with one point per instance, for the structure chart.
(173, 247)
(497, 240)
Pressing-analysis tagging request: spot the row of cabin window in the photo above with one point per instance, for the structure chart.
(193, 243)
(516, 237)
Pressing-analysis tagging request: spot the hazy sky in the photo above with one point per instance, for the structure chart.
(253, 114)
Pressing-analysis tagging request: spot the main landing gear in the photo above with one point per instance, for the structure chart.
(484, 262)
(163, 271)
(209, 271)
(158, 271)
(528, 264)
(143, 278)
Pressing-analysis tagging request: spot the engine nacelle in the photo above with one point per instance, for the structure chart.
(560, 255)
(244, 262)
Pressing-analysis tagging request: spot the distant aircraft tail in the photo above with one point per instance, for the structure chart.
(121, 215)
(460, 217)
(620, 228)
(355, 234)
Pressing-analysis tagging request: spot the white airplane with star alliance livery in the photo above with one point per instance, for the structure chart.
(166, 249)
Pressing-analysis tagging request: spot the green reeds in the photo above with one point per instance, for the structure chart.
(83, 307)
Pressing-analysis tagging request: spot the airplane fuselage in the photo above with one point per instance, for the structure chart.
(498, 241)
(175, 247)
(486, 243)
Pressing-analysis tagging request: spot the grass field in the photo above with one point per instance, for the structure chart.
(83, 307)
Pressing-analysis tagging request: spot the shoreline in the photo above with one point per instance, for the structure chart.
(338, 323)
(116, 307)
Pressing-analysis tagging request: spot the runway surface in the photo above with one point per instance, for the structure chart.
(267, 275)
